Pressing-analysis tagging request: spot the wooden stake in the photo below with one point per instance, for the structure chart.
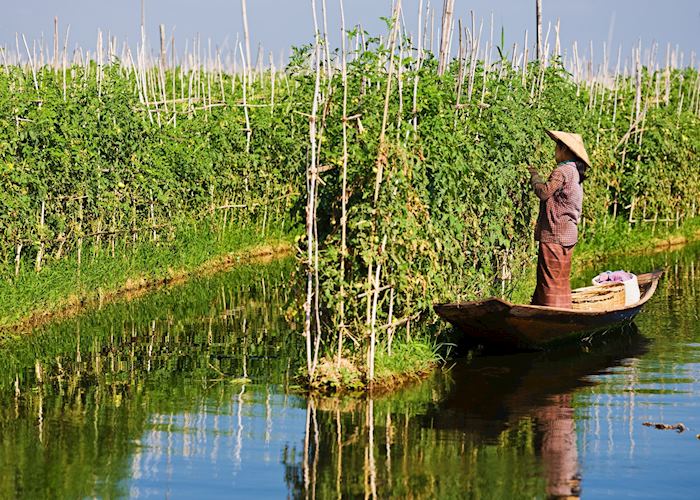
(245, 101)
(272, 85)
(538, 19)
(392, 42)
(55, 43)
(443, 56)
(329, 69)
(391, 328)
(163, 55)
(310, 212)
(246, 36)
(417, 68)
(344, 196)
(525, 53)
(40, 252)
(373, 336)
(18, 257)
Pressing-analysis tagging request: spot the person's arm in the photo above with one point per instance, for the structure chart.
(542, 189)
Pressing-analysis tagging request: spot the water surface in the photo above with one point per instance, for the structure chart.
(187, 392)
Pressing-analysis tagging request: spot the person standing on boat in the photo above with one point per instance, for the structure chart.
(561, 200)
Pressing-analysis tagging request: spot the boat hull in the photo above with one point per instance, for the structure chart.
(495, 323)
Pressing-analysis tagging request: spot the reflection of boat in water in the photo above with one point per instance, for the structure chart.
(501, 325)
(505, 387)
(494, 393)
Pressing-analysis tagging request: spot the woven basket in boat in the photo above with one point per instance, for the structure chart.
(599, 297)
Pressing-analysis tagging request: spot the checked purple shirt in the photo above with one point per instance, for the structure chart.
(561, 200)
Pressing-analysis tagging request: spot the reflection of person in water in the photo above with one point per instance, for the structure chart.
(537, 387)
(559, 452)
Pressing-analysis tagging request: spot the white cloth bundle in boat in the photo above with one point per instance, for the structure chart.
(632, 294)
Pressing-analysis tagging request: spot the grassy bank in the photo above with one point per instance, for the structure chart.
(65, 288)
(408, 361)
(621, 238)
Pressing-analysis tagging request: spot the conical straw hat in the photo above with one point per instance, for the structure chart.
(573, 141)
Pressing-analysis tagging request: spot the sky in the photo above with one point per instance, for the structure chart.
(280, 24)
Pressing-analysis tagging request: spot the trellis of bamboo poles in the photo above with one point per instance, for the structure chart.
(149, 75)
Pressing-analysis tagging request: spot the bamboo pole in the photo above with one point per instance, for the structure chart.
(432, 29)
(326, 45)
(18, 257)
(163, 59)
(460, 57)
(54, 62)
(538, 20)
(399, 85)
(445, 31)
(248, 130)
(246, 36)
(390, 329)
(80, 235)
(272, 85)
(40, 252)
(373, 333)
(32, 66)
(153, 219)
(525, 54)
(424, 41)
(489, 47)
(417, 68)
(310, 212)
(387, 95)
(344, 195)
(638, 82)
(474, 57)
(100, 63)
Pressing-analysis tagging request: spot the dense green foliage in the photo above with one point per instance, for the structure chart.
(98, 158)
(107, 170)
(454, 203)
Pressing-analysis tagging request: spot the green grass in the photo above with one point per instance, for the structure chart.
(59, 282)
(416, 356)
(408, 360)
(619, 238)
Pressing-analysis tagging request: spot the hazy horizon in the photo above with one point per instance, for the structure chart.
(279, 25)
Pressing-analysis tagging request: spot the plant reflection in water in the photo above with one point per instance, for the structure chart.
(494, 427)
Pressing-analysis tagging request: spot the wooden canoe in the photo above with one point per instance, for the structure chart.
(499, 324)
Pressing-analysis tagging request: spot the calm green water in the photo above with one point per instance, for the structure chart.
(186, 393)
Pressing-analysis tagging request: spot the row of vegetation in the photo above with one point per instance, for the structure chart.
(413, 167)
(112, 173)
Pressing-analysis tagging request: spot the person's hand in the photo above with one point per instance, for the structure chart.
(532, 170)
